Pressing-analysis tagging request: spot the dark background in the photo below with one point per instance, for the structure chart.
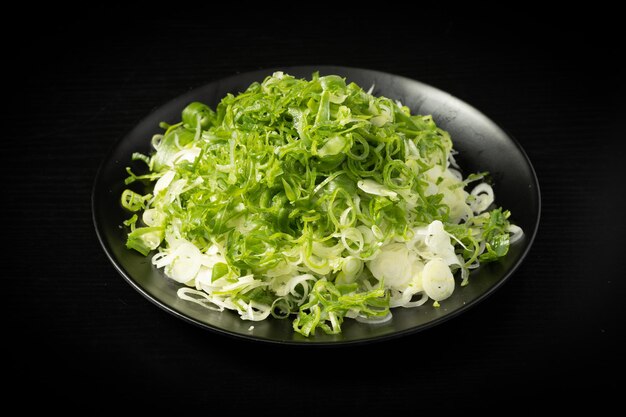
(76, 331)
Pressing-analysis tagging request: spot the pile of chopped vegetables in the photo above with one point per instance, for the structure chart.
(314, 201)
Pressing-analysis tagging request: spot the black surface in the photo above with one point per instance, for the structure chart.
(76, 330)
(481, 144)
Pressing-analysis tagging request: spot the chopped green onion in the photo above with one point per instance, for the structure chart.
(311, 200)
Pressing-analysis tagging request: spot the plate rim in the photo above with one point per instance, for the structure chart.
(262, 73)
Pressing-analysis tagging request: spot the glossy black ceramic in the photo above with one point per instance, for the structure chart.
(482, 146)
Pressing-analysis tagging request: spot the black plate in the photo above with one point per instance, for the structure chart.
(482, 146)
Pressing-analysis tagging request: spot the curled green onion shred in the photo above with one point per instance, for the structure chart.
(314, 201)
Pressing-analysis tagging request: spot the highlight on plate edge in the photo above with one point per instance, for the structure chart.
(313, 201)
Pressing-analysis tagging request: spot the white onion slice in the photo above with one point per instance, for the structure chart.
(516, 233)
(437, 280)
(483, 197)
(374, 188)
(374, 320)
